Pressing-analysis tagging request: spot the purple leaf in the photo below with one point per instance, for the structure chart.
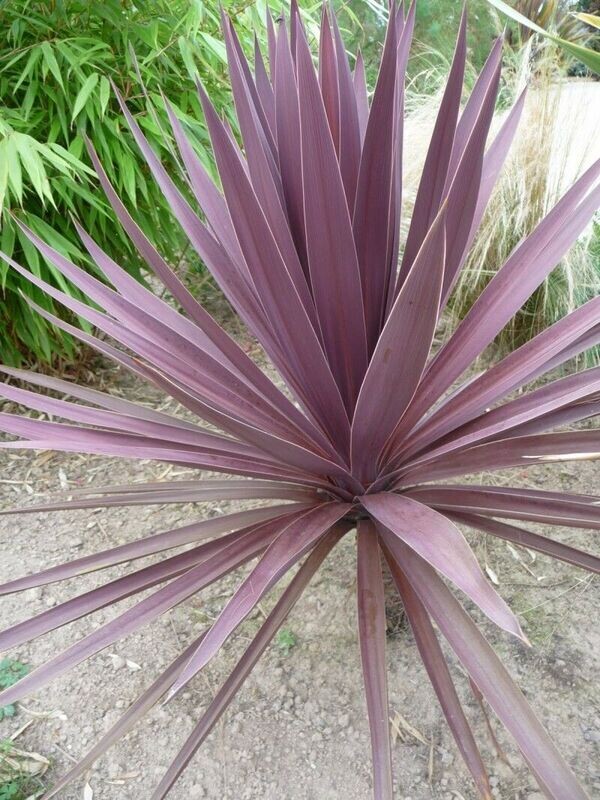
(437, 540)
(362, 98)
(526, 408)
(249, 659)
(520, 451)
(175, 492)
(287, 117)
(266, 180)
(196, 578)
(530, 540)
(371, 629)
(441, 680)
(473, 107)
(523, 365)
(524, 271)
(463, 193)
(349, 129)
(264, 86)
(399, 358)
(373, 216)
(138, 709)
(430, 194)
(149, 545)
(286, 311)
(328, 78)
(294, 541)
(488, 673)
(329, 239)
(552, 508)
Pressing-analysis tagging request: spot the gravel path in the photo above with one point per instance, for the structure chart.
(297, 730)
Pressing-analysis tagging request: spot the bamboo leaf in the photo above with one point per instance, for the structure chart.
(104, 93)
(69, 158)
(15, 176)
(34, 57)
(84, 94)
(215, 46)
(3, 173)
(52, 63)
(188, 57)
(33, 165)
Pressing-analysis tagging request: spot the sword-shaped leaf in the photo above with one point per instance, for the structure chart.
(175, 592)
(490, 676)
(441, 680)
(430, 194)
(329, 239)
(523, 272)
(373, 214)
(442, 545)
(399, 358)
(551, 508)
(530, 540)
(294, 541)
(156, 543)
(520, 451)
(249, 659)
(371, 630)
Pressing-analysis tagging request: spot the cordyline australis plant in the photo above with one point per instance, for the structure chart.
(303, 238)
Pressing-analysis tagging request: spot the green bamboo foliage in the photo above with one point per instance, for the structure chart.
(56, 66)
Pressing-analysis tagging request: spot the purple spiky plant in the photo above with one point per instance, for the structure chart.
(303, 238)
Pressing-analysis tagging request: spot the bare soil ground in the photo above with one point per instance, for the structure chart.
(297, 730)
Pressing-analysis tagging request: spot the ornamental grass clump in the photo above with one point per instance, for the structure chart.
(362, 432)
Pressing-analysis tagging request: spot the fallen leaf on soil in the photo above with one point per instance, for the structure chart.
(401, 727)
